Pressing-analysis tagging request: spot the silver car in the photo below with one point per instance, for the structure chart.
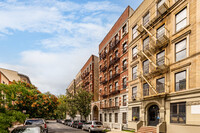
(93, 126)
(37, 121)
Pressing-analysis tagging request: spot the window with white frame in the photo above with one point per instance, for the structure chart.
(124, 47)
(160, 58)
(160, 85)
(116, 69)
(110, 74)
(134, 92)
(146, 44)
(105, 117)
(116, 101)
(181, 19)
(124, 29)
(124, 64)
(180, 81)
(105, 103)
(180, 50)
(160, 31)
(124, 83)
(116, 117)
(110, 117)
(146, 19)
(116, 85)
(124, 100)
(134, 31)
(145, 89)
(116, 53)
(146, 67)
(110, 88)
(110, 102)
(134, 72)
(134, 52)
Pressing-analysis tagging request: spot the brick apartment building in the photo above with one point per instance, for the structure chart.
(113, 73)
(164, 67)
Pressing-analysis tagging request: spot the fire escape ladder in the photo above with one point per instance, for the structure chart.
(150, 34)
(149, 84)
(150, 60)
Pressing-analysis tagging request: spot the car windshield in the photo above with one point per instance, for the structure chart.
(33, 122)
(98, 123)
(82, 121)
(27, 130)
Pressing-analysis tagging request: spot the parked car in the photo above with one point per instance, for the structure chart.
(78, 124)
(28, 129)
(37, 121)
(72, 123)
(93, 126)
(67, 121)
(58, 120)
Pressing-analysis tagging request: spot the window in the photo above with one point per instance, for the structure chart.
(116, 39)
(146, 44)
(105, 102)
(160, 2)
(180, 78)
(116, 85)
(116, 117)
(124, 47)
(110, 88)
(160, 31)
(110, 102)
(146, 19)
(180, 50)
(100, 79)
(110, 58)
(90, 76)
(124, 100)
(100, 117)
(160, 58)
(124, 28)
(181, 19)
(160, 85)
(116, 53)
(134, 72)
(178, 112)
(135, 113)
(124, 65)
(116, 101)
(124, 118)
(110, 117)
(116, 69)
(134, 92)
(146, 67)
(124, 83)
(110, 74)
(90, 67)
(145, 89)
(134, 52)
(105, 117)
(134, 31)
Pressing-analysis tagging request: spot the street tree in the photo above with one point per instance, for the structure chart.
(83, 102)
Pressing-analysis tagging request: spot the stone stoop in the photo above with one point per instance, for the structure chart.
(147, 130)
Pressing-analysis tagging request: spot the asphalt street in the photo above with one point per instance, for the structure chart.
(55, 127)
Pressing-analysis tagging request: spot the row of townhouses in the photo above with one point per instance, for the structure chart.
(148, 71)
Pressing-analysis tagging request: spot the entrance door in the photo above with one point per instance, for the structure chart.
(153, 115)
(95, 113)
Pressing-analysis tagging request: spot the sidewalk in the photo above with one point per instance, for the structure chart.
(117, 131)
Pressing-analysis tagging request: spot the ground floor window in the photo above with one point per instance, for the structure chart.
(110, 117)
(124, 118)
(116, 117)
(135, 113)
(105, 115)
(178, 112)
(101, 117)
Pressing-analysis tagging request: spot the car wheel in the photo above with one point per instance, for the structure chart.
(90, 131)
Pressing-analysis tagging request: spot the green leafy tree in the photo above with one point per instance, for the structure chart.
(83, 101)
(62, 107)
(71, 105)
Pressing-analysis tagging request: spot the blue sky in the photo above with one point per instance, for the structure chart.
(50, 40)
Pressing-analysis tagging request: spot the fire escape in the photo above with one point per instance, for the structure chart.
(156, 41)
